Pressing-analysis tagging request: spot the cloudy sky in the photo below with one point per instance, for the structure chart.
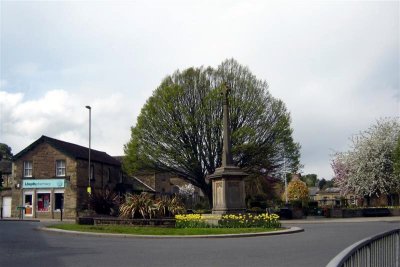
(334, 64)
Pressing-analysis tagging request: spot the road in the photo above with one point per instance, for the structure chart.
(22, 245)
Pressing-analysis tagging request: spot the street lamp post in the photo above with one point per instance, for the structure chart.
(89, 190)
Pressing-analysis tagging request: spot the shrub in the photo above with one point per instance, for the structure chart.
(145, 206)
(191, 221)
(264, 220)
(297, 190)
(104, 202)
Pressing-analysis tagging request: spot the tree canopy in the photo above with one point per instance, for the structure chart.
(5, 151)
(369, 167)
(297, 190)
(310, 179)
(179, 129)
(5, 155)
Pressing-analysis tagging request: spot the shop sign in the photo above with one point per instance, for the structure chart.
(43, 183)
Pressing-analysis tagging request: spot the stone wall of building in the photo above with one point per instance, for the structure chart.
(147, 178)
(43, 158)
(162, 182)
(105, 176)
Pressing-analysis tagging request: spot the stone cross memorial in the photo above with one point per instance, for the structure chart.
(228, 189)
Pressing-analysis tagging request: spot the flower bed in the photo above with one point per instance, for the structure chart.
(264, 220)
(164, 222)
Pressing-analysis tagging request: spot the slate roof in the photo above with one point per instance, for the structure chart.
(72, 150)
(139, 185)
(313, 190)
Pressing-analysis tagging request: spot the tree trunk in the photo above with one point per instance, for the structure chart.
(207, 190)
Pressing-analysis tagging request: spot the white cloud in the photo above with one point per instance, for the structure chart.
(334, 64)
(63, 115)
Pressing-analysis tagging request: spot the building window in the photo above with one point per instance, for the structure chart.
(60, 168)
(58, 201)
(27, 168)
(43, 202)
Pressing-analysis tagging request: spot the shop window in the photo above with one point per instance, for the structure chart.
(58, 201)
(27, 168)
(43, 202)
(60, 168)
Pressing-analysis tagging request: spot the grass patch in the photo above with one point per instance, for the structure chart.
(120, 229)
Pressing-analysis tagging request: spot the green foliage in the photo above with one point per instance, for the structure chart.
(5, 152)
(228, 221)
(323, 183)
(119, 229)
(146, 206)
(179, 128)
(310, 179)
(250, 220)
(297, 191)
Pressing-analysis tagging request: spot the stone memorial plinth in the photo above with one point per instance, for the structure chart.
(228, 188)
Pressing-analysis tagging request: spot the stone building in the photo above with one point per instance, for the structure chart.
(51, 175)
(167, 183)
(5, 187)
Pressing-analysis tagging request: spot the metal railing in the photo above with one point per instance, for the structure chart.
(382, 250)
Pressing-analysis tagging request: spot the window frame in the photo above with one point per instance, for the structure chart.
(50, 205)
(27, 168)
(61, 168)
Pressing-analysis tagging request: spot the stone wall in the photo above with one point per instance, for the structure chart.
(147, 178)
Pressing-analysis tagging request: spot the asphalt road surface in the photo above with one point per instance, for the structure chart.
(22, 245)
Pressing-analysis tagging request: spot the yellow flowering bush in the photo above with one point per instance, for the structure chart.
(248, 220)
(297, 190)
(190, 221)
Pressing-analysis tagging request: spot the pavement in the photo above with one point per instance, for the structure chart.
(342, 220)
(22, 244)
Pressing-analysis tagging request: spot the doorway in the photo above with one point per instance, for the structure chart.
(28, 204)
(6, 207)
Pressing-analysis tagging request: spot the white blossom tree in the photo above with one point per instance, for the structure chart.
(368, 168)
(186, 190)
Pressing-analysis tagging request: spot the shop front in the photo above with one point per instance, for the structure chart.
(43, 198)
